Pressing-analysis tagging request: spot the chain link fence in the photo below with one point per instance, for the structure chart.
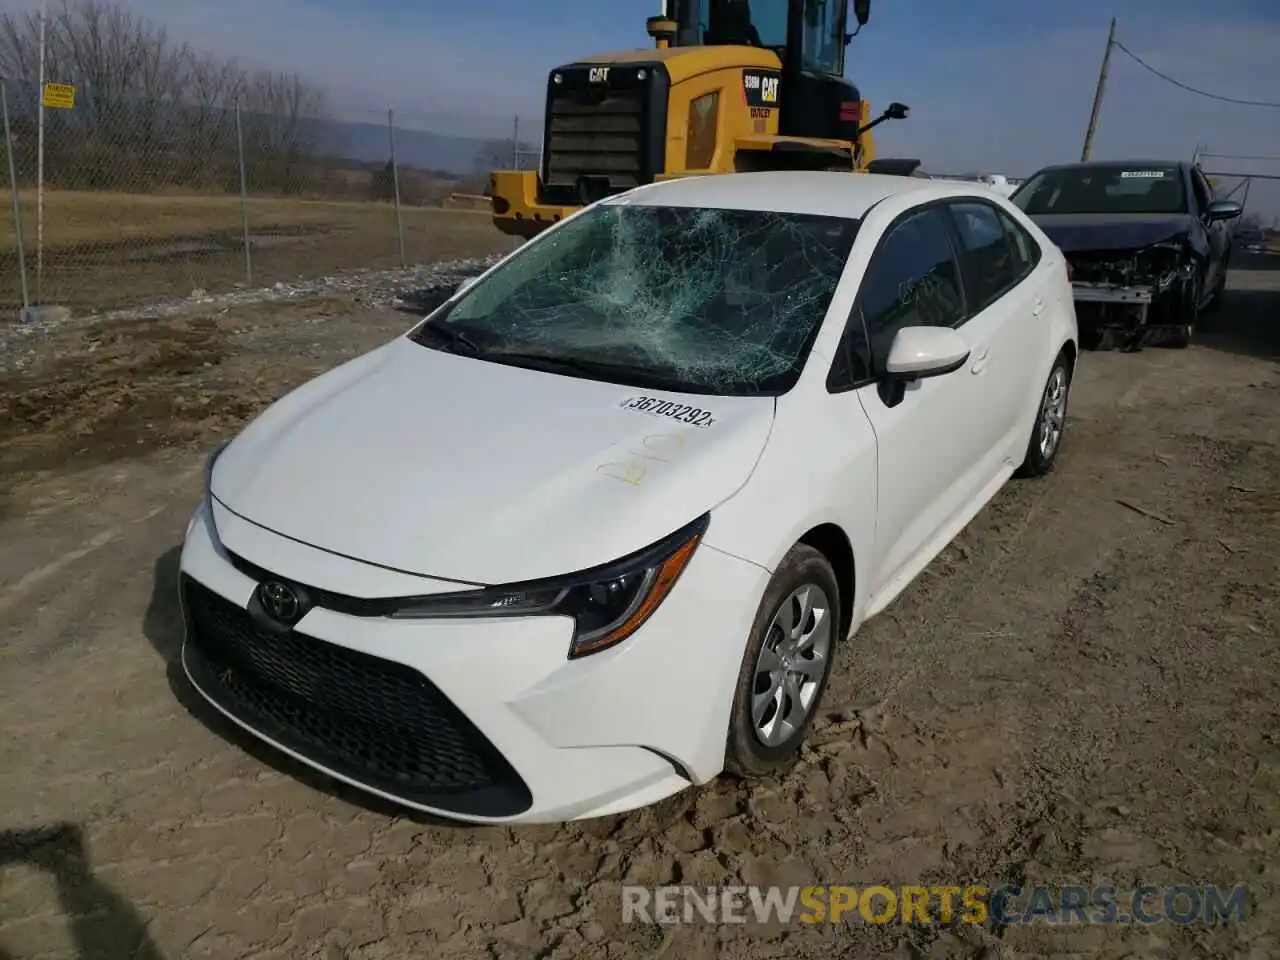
(127, 203)
(1253, 181)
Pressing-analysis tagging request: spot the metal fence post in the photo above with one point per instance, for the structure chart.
(244, 199)
(395, 183)
(17, 207)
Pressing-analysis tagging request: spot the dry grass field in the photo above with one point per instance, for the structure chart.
(111, 250)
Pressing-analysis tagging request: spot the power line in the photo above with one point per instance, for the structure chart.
(1178, 83)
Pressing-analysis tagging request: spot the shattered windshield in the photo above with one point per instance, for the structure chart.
(1103, 189)
(683, 298)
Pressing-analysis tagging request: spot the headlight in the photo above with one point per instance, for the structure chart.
(1160, 259)
(607, 604)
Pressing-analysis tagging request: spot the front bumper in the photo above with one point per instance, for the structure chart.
(1089, 292)
(479, 720)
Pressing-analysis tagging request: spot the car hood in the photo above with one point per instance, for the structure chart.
(1079, 232)
(447, 466)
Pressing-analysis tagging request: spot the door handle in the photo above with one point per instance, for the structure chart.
(1038, 307)
(980, 361)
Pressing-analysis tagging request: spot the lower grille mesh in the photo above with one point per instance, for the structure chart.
(382, 724)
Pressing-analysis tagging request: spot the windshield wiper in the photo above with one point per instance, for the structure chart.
(596, 370)
(449, 335)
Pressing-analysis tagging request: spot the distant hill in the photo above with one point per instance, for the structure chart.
(368, 143)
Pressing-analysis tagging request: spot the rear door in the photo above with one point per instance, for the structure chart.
(1005, 329)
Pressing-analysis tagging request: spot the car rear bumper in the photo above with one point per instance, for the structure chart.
(479, 720)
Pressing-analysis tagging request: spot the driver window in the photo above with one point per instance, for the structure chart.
(912, 280)
(824, 36)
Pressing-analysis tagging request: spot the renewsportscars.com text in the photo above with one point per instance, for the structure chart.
(1005, 906)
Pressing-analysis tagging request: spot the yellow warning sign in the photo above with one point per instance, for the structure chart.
(60, 96)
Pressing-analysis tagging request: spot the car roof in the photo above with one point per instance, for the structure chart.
(819, 192)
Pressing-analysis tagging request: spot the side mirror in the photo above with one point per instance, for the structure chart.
(920, 352)
(862, 11)
(464, 285)
(897, 111)
(1223, 210)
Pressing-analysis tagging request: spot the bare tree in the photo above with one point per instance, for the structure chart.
(210, 89)
(281, 117)
(152, 111)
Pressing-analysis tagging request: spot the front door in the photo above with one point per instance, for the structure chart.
(925, 438)
(1217, 233)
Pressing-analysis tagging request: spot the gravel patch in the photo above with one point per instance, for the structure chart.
(420, 287)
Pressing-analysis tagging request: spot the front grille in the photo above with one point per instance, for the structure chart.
(382, 724)
(597, 136)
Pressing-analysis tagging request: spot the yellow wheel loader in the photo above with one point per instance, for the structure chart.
(730, 85)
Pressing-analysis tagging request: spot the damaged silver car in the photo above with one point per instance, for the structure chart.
(1147, 244)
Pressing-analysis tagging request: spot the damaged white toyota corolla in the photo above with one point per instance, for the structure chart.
(595, 529)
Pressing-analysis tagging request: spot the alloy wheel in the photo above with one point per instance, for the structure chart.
(792, 663)
(1053, 412)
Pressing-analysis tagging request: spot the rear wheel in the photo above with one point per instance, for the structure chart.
(1051, 422)
(786, 665)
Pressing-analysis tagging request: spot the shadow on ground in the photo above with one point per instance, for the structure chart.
(162, 624)
(1240, 260)
(1247, 323)
(103, 925)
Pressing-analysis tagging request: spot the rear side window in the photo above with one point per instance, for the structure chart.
(987, 253)
(1026, 252)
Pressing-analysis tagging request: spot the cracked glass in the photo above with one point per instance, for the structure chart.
(701, 300)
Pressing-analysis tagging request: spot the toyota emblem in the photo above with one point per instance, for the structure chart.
(280, 600)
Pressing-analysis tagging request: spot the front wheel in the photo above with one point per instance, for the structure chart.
(1051, 422)
(1189, 316)
(786, 665)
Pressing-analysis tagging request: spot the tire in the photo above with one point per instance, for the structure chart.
(1180, 339)
(761, 742)
(1051, 421)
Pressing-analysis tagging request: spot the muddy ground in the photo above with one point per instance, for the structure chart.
(1082, 689)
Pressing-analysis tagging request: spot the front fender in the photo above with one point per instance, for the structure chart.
(818, 468)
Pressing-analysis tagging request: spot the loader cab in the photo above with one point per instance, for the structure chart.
(810, 38)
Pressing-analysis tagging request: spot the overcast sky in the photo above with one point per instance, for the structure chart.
(998, 85)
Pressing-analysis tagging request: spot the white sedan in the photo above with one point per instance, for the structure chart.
(593, 531)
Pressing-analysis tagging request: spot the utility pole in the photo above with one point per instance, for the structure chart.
(40, 164)
(1097, 94)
